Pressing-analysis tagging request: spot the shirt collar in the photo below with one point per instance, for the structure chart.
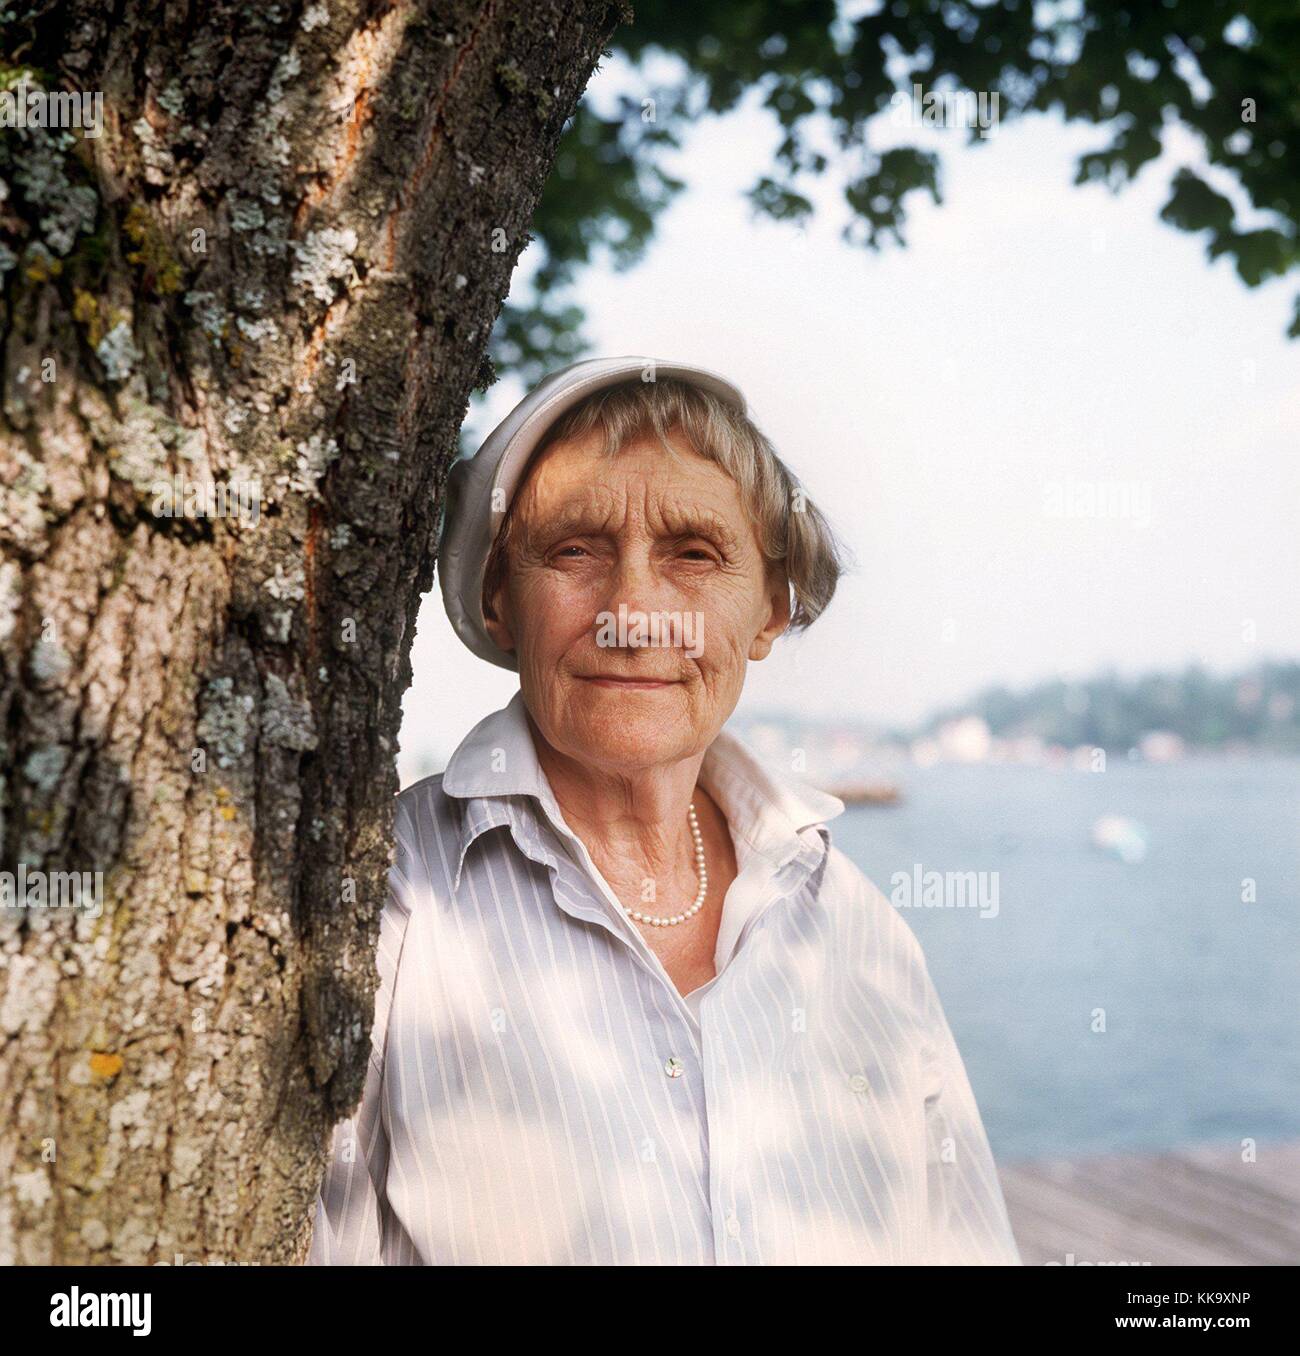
(768, 809)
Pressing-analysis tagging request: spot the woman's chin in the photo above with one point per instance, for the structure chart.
(634, 737)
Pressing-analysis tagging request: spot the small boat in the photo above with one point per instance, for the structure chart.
(868, 793)
(1121, 837)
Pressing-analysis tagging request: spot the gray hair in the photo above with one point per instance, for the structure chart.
(793, 535)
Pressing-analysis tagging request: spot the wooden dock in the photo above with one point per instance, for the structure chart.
(1197, 1207)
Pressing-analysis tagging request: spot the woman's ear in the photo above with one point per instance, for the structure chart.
(778, 599)
(496, 618)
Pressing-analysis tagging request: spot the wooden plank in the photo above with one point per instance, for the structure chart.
(1198, 1207)
(1054, 1222)
(1276, 1168)
(1226, 1213)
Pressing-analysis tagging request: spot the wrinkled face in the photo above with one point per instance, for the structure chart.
(635, 595)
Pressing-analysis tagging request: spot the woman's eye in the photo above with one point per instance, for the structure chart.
(570, 552)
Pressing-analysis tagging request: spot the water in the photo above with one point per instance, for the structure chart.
(1200, 991)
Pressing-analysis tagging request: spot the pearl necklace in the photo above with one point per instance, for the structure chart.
(700, 870)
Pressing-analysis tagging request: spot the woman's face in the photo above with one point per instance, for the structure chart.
(635, 595)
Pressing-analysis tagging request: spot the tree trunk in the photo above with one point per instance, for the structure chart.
(273, 274)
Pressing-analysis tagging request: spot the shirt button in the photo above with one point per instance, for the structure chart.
(859, 1083)
(674, 1067)
(733, 1226)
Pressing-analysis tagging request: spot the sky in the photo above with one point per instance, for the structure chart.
(956, 407)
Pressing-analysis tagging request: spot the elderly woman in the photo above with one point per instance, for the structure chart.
(633, 1005)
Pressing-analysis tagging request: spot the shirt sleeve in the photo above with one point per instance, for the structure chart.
(967, 1214)
(350, 1206)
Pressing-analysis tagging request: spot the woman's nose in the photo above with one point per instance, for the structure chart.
(637, 584)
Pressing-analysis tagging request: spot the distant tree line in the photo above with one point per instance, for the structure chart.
(1260, 707)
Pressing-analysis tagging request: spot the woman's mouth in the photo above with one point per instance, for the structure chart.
(628, 684)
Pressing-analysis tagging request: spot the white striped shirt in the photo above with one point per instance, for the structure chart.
(539, 1092)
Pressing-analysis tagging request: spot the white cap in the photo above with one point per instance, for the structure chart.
(472, 520)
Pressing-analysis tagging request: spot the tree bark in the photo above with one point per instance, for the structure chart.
(276, 267)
